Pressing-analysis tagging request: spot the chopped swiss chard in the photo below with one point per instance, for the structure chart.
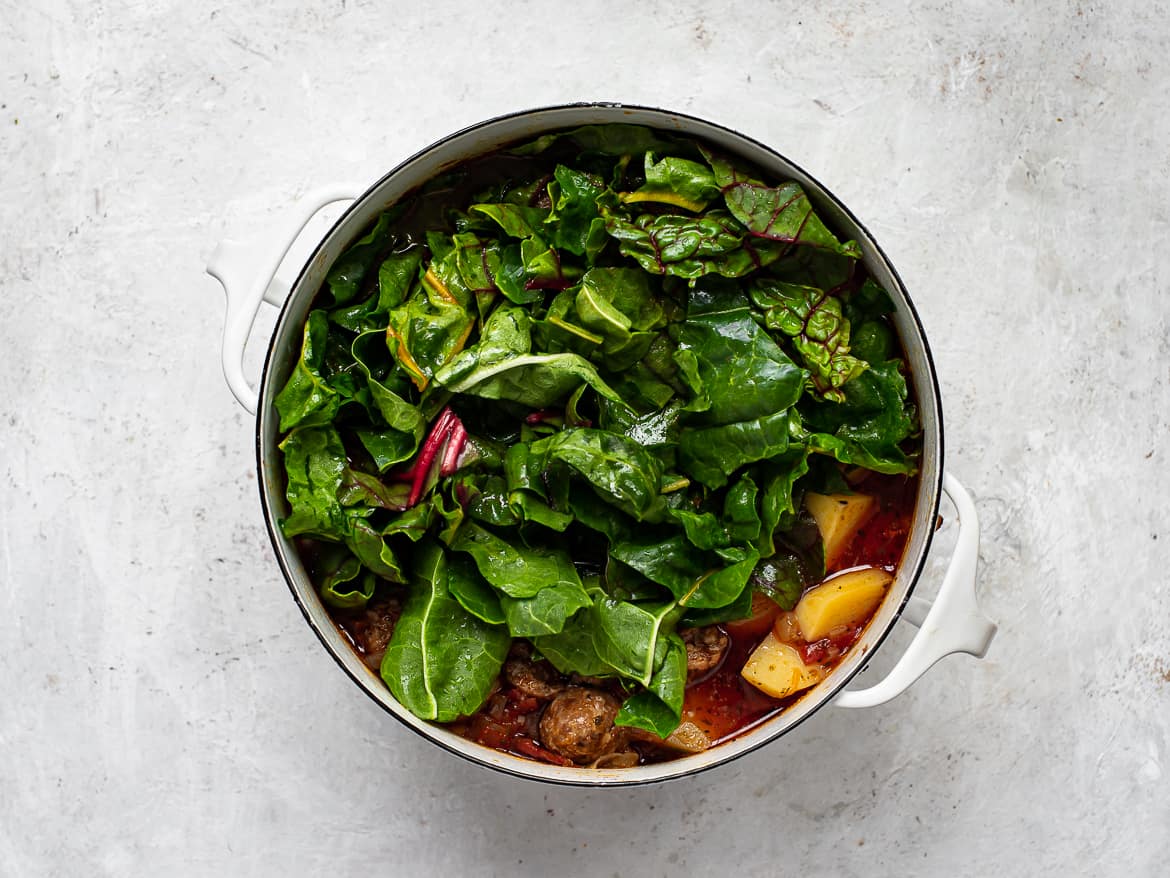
(570, 399)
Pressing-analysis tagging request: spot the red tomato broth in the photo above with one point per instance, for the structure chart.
(508, 722)
(881, 541)
(724, 704)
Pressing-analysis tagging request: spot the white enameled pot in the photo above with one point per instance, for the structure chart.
(951, 623)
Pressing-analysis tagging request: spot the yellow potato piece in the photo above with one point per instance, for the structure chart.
(777, 669)
(838, 517)
(841, 600)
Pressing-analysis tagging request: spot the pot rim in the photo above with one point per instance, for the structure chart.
(592, 778)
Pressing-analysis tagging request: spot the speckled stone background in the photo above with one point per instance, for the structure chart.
(163, 707)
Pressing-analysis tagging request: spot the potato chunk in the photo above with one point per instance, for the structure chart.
(841, 600)
(777, 669)
(688, 738)
(838, 517)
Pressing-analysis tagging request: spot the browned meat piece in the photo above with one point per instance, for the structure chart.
(372, 632)
(578, 680)
(705, 649)
(521, 649)
(578, 724)
(538, 679)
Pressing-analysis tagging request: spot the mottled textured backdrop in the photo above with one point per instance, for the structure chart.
(163, 707)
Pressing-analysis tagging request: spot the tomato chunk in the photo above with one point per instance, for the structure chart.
(764, 613)
(528, 747)
(829, 648)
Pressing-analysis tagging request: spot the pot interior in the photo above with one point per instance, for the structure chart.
(491, 136)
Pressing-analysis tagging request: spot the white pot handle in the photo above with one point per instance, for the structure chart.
(247, 271)
(951, 623)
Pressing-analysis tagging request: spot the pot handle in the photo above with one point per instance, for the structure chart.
(247, 271)
(951, 623)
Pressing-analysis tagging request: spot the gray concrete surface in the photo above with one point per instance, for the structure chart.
(163, 707)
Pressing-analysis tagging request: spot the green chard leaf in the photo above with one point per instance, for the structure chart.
(560, 331)
(388, 447)
(571, 651)
(371, 547)
(516, 571)
(620, 470)
(778, 477)
(528, 508)
(741, 372)
(797, 564)
(506, 334)
(690, 247)
(740, 608)
(546, 612)
(427, 331)
(675, 181)
(823, 269)
(511, 276)
(658, 709)
(535, 380)
(307, 399)
(516, 221)
(348, 587)
(396, 276)
(812, 318)
(386, 384)
(492, 504)
(642, 392)
(703, 529)
(740, 516)
(868, 427)
(362, 489)
(472, 592)
(579, 228)
(411, 523)
(611, 298)
(315, 464)
(657, 428)
(740, 522)
(539, 589)
(873, 338)
(477, 262)
(633, 638)
(349, 271)
(590, 510)
(543, 267)
(776, 213)
(318, 478)
(695, 578)
(711, 454)
(442, 661)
